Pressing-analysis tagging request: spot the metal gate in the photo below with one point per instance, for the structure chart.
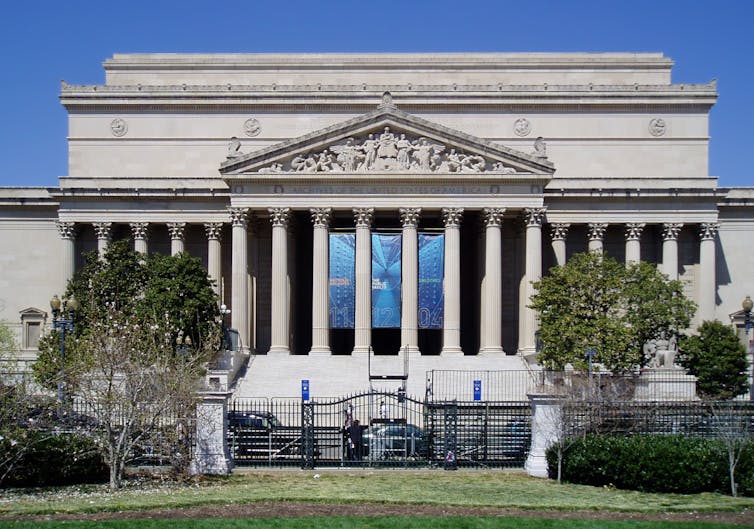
(378, 429)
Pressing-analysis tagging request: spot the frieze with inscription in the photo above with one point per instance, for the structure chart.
(388, 152)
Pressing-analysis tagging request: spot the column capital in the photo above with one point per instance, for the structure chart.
(177, 230)
(139, 230)
(239, 216)
(597, 230)
(321, 217)
(559, 231)
(670, 231)
(363, 217)
(708, 230)
(452, 217)
(410, 216)
(633, 230)
(280, 216)
(534, 216)
(67, 229)
(214, 230)
(493, 217)
(102, 229)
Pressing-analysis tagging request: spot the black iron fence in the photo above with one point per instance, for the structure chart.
(378, 429)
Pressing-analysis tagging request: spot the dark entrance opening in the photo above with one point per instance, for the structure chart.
(430, 341)
(386, 341)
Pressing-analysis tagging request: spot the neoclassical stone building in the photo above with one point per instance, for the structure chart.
(399, 204)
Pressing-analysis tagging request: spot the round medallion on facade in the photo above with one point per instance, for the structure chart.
(522, 127)
(251, 127)
(119, 127)
(657, 126)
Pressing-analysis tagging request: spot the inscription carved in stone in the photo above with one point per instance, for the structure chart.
(388, 152)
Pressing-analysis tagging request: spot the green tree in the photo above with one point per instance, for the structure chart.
(595, 302)
(172, 289)
(717, 359)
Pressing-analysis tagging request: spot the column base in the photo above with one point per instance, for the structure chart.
(279, 350)
(451, 351)
(491, 351)
(361, 349)
(320, 351)
(410, 349)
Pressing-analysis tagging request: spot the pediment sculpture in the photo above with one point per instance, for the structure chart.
(388, 152)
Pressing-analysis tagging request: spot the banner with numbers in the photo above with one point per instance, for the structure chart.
(386, 280)
(431, 272)
(342, 280)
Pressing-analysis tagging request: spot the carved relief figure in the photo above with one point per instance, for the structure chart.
(370, 153)
(423, 152)
(404, 148)
(540, 148)
(234, 148)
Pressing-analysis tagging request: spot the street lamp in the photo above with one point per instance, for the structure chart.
(63, 318)
(747, 305)
(226, 340)
(183, 345)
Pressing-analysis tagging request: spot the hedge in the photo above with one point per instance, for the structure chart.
(52, 459)
(653, 463)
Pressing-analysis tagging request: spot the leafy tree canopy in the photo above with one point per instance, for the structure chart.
(717, 358)
(174, 290)
(595, 302)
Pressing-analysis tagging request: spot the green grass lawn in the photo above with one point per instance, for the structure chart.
(429, 487)
(450, 522)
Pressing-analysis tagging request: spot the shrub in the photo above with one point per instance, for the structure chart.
(54, 459)
(653, 463)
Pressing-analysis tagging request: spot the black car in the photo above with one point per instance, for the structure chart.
(395, 440)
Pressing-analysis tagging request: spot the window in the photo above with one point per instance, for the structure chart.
(32, 322)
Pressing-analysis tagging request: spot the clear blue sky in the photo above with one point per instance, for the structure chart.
(43, 42)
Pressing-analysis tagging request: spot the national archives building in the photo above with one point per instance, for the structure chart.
(382, 213)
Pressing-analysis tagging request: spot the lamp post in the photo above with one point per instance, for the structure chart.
(226, 341)
(63, 320)
(747, 305)
(183, 345)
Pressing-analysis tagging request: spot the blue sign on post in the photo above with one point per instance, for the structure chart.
(304, 390)
(477, 390)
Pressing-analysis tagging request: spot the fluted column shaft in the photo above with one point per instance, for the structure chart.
(492, 290)
(320, 280)
(596, 236)
(363, 316)
(451, 331)
(68, 252)
(177, 232)
(410, 280)
(533, 218)
(670, 233)
(559, 233)
(103, 231)
(633, 242)
(279, 304)
(239, 315)
(214, 232)
(707, 286)
(140, 231)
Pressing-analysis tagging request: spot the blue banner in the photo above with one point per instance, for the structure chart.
(342, 280)
(431, 268)
(386, 280)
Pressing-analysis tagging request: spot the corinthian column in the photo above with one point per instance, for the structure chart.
(492, 285)
(670, 233)
(633, 242)
(451, 331)
(279, 305)
(320, 278)
(527, 343)
(214, 232)
(140, 231)
(363, 331)
(68, 252)
(410, 280)
(559, 232)
(103, 231)
(596, 235)
(707, 287)
(239, 315)
(177, 232)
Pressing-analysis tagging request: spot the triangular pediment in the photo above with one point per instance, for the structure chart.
(388, 140)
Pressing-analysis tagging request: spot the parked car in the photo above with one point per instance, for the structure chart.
(255, 435)
(395, 440)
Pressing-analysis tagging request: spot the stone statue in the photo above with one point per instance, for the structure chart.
(661, 352)
(423, 153)
(370, 153)
(387, 150)
(234, 148)
(348, 155)
(404, 148)
(540, 148)
(274, 168)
